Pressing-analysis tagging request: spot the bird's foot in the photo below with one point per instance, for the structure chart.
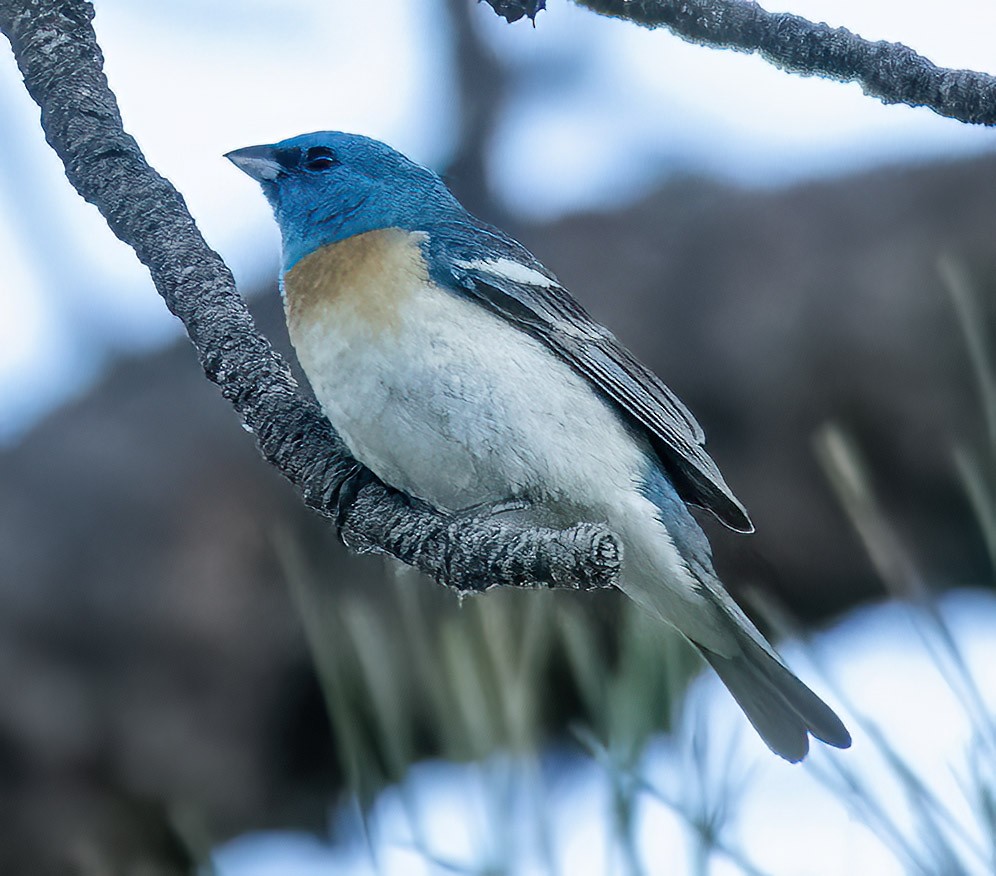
(492, 509)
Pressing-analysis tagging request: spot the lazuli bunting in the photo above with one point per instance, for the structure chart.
(456, 367)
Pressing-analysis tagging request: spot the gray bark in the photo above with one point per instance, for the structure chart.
(892, 72)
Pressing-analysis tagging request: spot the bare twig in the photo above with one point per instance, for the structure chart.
(57, 52)
(892, 72)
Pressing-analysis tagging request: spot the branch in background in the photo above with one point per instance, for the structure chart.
(892, 72)
(57, 52)
(513, 10)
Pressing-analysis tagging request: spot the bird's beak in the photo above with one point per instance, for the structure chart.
(259, 162)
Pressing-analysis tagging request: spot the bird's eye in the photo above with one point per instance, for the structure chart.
(319, 158)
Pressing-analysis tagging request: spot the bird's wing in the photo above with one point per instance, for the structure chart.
(509, 281)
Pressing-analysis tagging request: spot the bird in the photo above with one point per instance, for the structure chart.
(460, 371)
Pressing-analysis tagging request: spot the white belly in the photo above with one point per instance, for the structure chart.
(457, 407)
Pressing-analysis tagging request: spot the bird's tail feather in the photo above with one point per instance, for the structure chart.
(779, 706)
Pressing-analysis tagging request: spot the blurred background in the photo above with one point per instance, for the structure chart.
(196, 677)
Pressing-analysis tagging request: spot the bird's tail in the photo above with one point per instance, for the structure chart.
(680, 586)
(779, 706)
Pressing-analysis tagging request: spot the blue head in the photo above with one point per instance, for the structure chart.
(328, 186)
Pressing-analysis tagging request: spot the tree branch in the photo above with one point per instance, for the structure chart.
(892, 72)
(57, 52)
(513, 10)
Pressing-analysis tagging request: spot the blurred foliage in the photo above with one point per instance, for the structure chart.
(931, 839)
(474, 673)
